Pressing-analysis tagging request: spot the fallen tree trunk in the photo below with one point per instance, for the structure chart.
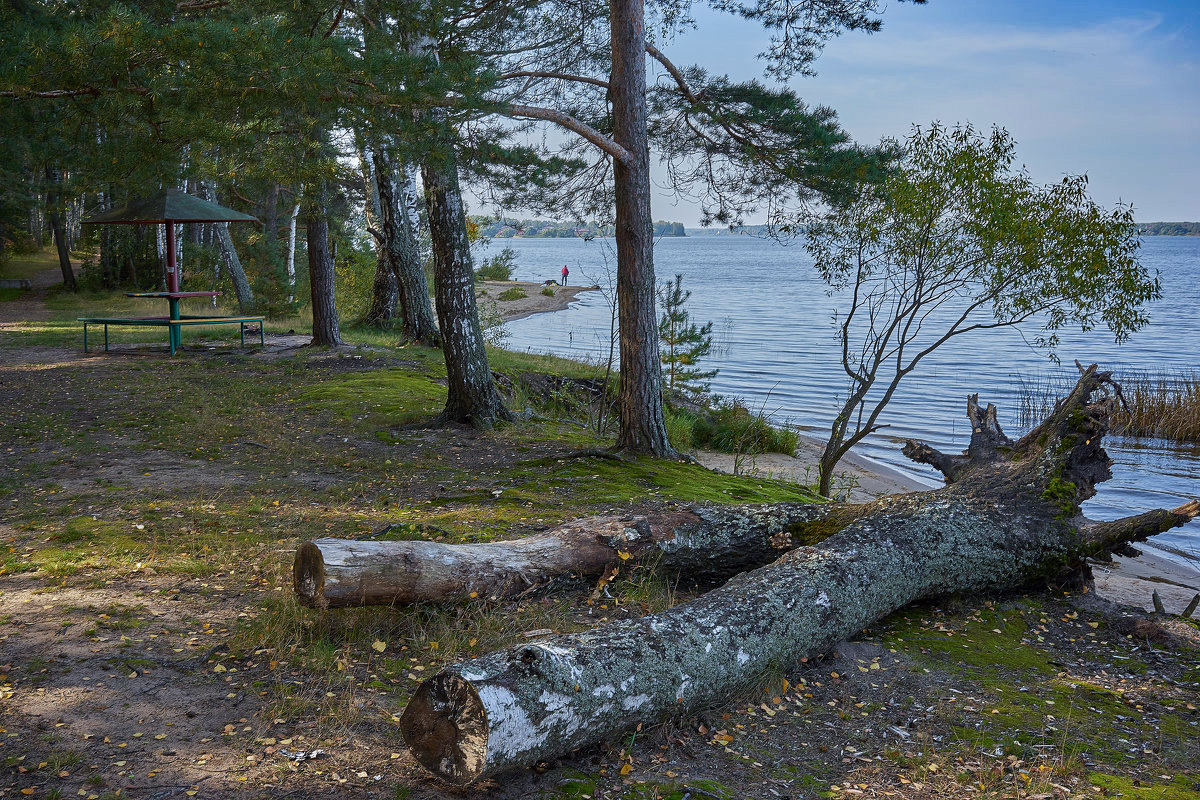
(1009, 517)
(709, 542)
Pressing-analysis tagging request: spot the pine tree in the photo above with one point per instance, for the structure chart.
(682, 344)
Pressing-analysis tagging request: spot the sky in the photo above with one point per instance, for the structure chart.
(1103, 88)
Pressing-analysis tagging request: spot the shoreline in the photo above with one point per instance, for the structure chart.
(1124, 580)
(535, 302)
(1128, 581)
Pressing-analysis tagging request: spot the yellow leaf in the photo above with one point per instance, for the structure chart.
(626, 769)
(623, 555)
(219, 668)
(378, 646)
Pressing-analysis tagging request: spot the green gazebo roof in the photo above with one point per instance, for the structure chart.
(170, 205)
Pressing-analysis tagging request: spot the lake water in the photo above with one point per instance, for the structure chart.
(778, 352)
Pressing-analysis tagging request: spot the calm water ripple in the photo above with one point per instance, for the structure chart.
(776, 349)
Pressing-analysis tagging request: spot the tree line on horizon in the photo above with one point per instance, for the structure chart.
(550, 229)
(1168, 228)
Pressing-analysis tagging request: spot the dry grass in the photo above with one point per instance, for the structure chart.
(1163, 405)
(1166, 406)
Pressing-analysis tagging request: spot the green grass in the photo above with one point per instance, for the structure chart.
(1181, 787)
(512, 293)
(379, 398)
(27, 265)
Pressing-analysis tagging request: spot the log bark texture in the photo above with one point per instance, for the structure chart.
(1008, 518)
(700, 542)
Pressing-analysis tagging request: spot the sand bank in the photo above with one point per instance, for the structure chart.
(535, 302)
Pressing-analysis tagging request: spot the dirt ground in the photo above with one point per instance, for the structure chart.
(150, 647)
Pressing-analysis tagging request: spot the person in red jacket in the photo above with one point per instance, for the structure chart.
(565, 273)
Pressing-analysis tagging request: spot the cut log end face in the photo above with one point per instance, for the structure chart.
(446, 726)
(308, 575)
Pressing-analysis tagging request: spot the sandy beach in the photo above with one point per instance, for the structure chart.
(535, 302)
(1128, 581)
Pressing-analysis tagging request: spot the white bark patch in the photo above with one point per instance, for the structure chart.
(608, 690)
(822, 600)
(742, 656)
(635, 702)
(511, 729)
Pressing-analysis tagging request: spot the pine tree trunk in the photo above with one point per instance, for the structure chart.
(326, 332)
(643, 426)
(1009, 518)
(472, 396)
(54, 217)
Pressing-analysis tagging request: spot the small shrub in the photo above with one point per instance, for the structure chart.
(512, 293)
(499, 267)
(548, 291)
(679, 430)
(729, 428)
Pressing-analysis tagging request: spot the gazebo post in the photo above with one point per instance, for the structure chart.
(173, 332)
(172, 267)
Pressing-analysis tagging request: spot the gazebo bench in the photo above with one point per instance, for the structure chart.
(167, 322)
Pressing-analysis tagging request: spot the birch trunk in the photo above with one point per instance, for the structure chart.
(471, 394)
(416, 310)
(701, 543)
(291, 253)
(1007, 520)
(241, 284)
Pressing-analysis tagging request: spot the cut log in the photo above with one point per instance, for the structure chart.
(712, 543)
(1009, 517)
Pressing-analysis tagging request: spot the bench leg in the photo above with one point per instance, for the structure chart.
(106, 337)
(171, 336)
(85, 337)
(262, 334)
(242, 327)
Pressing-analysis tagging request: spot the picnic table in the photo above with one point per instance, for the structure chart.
(168, 208)
(174, 321)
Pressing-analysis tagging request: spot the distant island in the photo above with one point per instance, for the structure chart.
(547, 229)
(1169, 228)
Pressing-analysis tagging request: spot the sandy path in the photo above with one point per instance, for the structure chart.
(30, 306)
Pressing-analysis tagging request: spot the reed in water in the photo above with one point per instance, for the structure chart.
(1163, 405)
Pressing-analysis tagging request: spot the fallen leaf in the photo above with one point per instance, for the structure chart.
(378, 646)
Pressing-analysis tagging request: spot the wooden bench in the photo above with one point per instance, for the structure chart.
(173, 326)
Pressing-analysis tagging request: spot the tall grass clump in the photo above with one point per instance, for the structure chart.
(1161, 405)
(1164, 406)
